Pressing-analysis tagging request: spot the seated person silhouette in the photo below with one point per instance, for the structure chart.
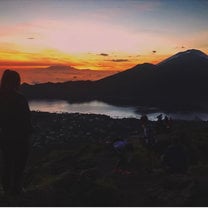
(123, 150)
(15, 128)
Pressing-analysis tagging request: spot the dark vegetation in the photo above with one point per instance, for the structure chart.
(72, 163)
(178, 83)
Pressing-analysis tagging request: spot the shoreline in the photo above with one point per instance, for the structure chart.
(152, 114)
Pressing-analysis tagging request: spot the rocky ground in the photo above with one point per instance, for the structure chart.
(72, 162)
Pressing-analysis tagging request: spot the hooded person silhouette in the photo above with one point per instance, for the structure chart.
(15, 126)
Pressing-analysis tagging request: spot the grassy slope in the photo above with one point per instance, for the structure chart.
(72, 160)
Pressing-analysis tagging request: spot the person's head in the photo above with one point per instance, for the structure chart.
(10, 80)
(159, 117)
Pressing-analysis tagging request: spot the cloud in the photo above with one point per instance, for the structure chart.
(154, 51)
(119, 60)
(17, 57)
(104, 54)
(179, 47)
(72, 36)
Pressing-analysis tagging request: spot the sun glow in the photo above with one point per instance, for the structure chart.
(99, 36)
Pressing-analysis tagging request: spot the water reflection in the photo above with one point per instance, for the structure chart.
(97, 107)
(94, 107)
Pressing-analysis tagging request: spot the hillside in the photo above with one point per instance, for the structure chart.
(137, 81)
(72, 162)
(179, 80)
(184, 75)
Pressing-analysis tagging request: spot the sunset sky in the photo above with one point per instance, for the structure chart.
(99, 34)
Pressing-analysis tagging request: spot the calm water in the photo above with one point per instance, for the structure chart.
(97, 107)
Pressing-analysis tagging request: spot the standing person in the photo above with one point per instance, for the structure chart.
(15, 125)
(167, 124)
(160, 124)
(144, 121)
(148, 131)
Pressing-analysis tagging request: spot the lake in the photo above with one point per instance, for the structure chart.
(97, 107)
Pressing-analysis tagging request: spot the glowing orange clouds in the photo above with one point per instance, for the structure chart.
(83, 44)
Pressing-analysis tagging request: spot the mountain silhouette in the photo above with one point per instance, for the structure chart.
(127, 85)
(179, 81)
(183, 77)
(61, 73)
(186, 57)
(61, 68)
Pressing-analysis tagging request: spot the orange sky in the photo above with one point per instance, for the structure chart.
(98, 35)
(17, 59)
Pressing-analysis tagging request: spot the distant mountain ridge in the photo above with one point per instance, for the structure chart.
(66, 68)
(60, 73)
(61, 67)
(192, 53)
(180, 80)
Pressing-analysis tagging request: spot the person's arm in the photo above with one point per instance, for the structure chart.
(25, 116)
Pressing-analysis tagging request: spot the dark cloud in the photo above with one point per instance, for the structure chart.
(179, 47)
(119, 60)
(31, 38)
(154, 51)
(104, 54)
